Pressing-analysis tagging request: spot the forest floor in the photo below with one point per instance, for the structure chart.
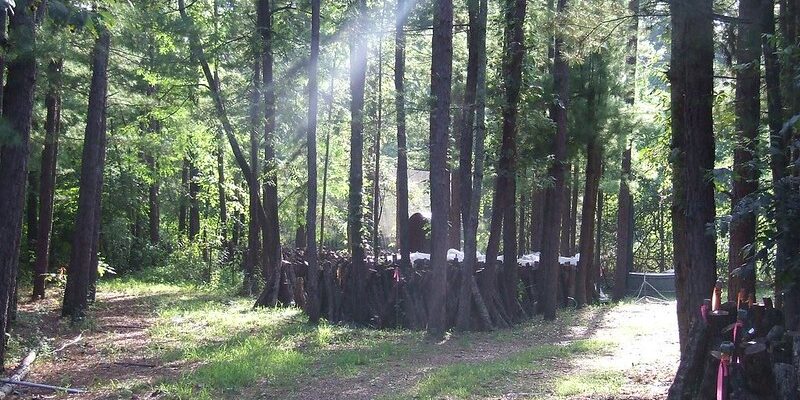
(156, 341)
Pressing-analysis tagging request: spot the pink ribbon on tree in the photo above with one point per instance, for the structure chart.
(736, 327)
(396, 274)
(722, 373)
(704, 312)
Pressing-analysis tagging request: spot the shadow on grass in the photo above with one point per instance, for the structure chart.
(477, 379)
(224, 348)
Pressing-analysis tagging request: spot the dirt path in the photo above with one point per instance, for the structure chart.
(112, 346)
(644, 351)
(115, 350)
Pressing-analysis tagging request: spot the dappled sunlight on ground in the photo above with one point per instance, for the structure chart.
(176, 342)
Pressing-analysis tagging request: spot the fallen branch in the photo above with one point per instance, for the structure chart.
(22, 369)
(123, 327)
(70, 343)
(42, 386)
(133, 364)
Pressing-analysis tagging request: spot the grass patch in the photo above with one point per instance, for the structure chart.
(465, 380)
(224, 346)
(594, 383)
(226, 350)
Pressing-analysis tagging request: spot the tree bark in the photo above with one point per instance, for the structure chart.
(94, 260)
(553, 204)
(3, 45)
(268, 296)
(271, 236)
(31, 214)
(358, 70)
(573, 214)
(625, 213)
(441, 78)
(194, 200)
(252, 256)
(79, 278)
(184, 195)
(745, 173)
(785, 252)
(512, 72)
(537, 217)
(17, 111)
(471, 181)
(312, 276)
(223, 202)
(522, 244)
(47, 179)
(584, 287)
(624, 230)
(402, 11)
(693, 209)
(376, 182)
(153, 211)
(595, 273)
(565, 210)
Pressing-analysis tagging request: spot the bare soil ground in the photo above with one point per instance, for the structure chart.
(114, 348)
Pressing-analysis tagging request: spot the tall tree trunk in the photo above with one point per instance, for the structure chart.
(153, 212)
(268, 226)
(402, 11)
(662, 252)
(585, 283)
(537, 217)
(745, 173)
(251, 260)
(553, 203)
(565, 210)
(194, 200)
(358, 70)
(79, 278)
(312, 282)
(779, 145)
(327, 164)
(479, 9)
(324, 189)
(464, 128)
(17, 111)
(223, 202)
(184, 197)
(454, 211)
(31, 214)
(624, 231)
(94, 259)
(512, 73)
(441, 78)
(522, 244)
(573, 214)
(693, 209)
(3, 45)
(625, 223)
(376, 183)
(47, 179)
(596, 271)
(271, 238)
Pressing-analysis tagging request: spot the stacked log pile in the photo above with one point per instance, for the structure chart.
(395, 298)
(739, 351)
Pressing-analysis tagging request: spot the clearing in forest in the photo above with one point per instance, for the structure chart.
(179, 342)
